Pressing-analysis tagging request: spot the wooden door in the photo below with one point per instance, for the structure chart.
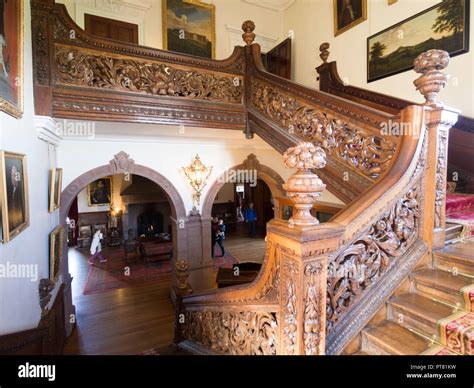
(278, 60)
(111, 29)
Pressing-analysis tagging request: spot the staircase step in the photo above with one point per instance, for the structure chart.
(441, 285)
(389, 338)
(452, 231)
(459, 256)
(170, 350)
(417, 312)
(360, 353)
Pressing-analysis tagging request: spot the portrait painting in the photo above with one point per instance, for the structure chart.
(444, 26)
(348, 13)
(99, 192)
(189, 27)
(13, 194)
(56, 239)
(55, 187)
(85, 231)
(11, 57)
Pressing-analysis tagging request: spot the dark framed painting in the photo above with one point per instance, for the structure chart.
(189, 27)
(56, 240)
(348, 13)
(444, 26)
(55, 186)
(99, 192)
(11, 57)
(13, 194)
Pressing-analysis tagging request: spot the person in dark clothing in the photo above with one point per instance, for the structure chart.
(217, 235)
(250, 215)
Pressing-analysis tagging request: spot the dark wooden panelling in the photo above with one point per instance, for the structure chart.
(111, 29)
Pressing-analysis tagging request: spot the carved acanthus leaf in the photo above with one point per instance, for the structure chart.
(371, 255)
(74, 67)
(368, 153)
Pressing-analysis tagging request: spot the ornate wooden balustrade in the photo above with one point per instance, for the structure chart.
(320, 284)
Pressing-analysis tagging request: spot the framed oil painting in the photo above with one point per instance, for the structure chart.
(444, 26)
(55, 186)
(348, 13)
(56, 240)
(99, 192)
(11, 57)
(13, 194)
(189, 27)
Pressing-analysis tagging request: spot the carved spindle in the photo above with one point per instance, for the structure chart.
(248, 36)
(304, 186)
(182, 274)
(324, 51)
(432, 80)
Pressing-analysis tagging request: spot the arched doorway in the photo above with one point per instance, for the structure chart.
(270, 179)
(121, 164)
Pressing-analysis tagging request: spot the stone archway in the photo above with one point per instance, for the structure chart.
(273, 180)
(121, 164)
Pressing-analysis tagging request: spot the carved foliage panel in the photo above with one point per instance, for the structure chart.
(76, 67)
(367, 153)
(441, 171)
(289, 306)
(367, 259)
(236, 333)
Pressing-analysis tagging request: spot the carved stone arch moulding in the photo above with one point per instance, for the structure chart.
(267, 174)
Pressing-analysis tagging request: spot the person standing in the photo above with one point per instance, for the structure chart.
(96, 248)
(214, 234)
(251, 220)
(221, 236)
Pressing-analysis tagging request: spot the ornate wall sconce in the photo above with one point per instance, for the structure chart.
(197, 174)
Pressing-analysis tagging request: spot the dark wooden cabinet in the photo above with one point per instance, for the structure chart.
(111, 29)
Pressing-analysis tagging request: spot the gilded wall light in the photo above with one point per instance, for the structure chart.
(197, 174)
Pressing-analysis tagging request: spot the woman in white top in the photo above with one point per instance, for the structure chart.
(96, 248)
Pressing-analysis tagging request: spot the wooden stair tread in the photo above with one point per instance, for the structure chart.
(442, 279)
(172, 350)
(461, 251)
(395, 339)
(452, 226)
(360, 353)
(421, 307)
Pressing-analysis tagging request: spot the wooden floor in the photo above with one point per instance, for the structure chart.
(124, 321)
(136, 319)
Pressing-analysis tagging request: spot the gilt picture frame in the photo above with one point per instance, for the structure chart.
(99, 192)
(56, 241)
(13, 194)
(11, 57)
(444, 26)
(55, 187)
(189, 27)
(348, 14)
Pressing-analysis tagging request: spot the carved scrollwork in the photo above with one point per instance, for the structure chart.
(77, 68)
(440, 189)
(290, 311)
(368, 258)
(236, 333)
(368, 153)
(312, 309)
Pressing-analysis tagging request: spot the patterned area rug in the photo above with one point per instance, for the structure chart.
(116, 273)
(468, 296)
(460, 210)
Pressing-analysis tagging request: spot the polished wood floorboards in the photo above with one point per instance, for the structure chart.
(135, 319)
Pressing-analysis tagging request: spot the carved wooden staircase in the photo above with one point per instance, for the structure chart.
(303, 300)
(409, 324)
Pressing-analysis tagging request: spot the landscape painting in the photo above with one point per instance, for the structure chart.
(189, 27)
(11, 57)
(444, 26)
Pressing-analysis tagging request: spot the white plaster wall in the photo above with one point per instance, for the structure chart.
(19, 301)
(228, 13)
(221, 149)
(312, 23)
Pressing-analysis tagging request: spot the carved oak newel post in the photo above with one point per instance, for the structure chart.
(302, 248)
(439, 120)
